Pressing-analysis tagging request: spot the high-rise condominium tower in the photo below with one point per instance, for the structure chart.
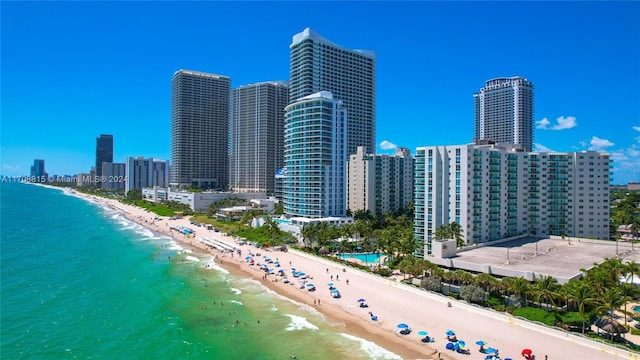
(315, 157)
(104, 152)
(199, 129)
(316, 64)
(257, 136)
(495, 192)
(504, 112)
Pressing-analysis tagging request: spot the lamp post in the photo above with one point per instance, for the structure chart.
(508, 255)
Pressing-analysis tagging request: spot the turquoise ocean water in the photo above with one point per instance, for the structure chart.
(81, 282)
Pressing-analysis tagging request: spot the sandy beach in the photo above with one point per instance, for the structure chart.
(392, 302)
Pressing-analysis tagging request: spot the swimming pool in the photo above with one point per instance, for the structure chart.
(283, 221)
(636, 308)
(366, 258)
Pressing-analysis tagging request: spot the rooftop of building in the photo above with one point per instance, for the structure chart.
(308, 33)
(200, 73)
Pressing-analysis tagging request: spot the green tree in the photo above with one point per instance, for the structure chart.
(545, 289)
(134, 195)
(580, 293)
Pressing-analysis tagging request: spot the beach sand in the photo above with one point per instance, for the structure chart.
(391, 301)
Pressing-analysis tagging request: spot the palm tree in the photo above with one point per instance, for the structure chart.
(520, 287)
(442, 233)
(487, 282)
(455, 231)
(629, 292)
(611, 300)
(632, 268)
(580, 293)
(309, 233)
(545, 288)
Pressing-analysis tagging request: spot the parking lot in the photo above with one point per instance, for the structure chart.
(555, 257)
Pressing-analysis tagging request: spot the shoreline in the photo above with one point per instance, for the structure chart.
(392, 302)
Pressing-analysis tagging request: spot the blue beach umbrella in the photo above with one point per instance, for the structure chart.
(450, 333)
(330, 284)
(334, 291)
(481, 342)
(280, 271)
(247, 257)
(422, 333)
(461, 343)
(361, 300)
(403, 326)
(491, 351)
(310, 285)
(302, 274)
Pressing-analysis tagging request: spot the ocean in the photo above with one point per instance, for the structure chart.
(79, 281)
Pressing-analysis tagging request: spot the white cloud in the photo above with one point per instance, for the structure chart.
(598, 144)
(541, 148)
(387, 145)
(636, 128)
(562, 123)
(543, 124)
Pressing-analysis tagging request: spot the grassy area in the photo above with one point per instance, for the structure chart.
(159, 209)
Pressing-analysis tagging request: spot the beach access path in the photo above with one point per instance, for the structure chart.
(392, 302)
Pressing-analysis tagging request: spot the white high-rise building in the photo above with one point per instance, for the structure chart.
(200, 106)
(317, 64)
(504, 112)
(257, 136)
(495, 192)
(379, 183)
(143, 173)
(315, 157)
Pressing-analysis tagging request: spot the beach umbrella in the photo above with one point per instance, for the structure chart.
(280, 271)
(302, 274)
(293, 269)
(334, 291)
(361, 300)
(310, 285)
(422, 333)
(330, 284)
(461, 343)
(527, 351)
(247, 257)
(450, 333)
(403, 326)
(491, 351)
(481, 342)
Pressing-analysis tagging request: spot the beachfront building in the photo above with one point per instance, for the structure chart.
(104, 153)
(257, 136)
(315, 157)
(38, 174)
(504, 112)
(498, 191)
(200, 105)
(197, 201)
(379, 183)
(113, 176)
(141, 173)
(317, 64)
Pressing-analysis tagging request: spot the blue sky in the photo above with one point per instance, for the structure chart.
(71, 71)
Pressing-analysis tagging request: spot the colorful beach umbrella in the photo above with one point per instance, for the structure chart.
(461, 344)
(422, 333)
